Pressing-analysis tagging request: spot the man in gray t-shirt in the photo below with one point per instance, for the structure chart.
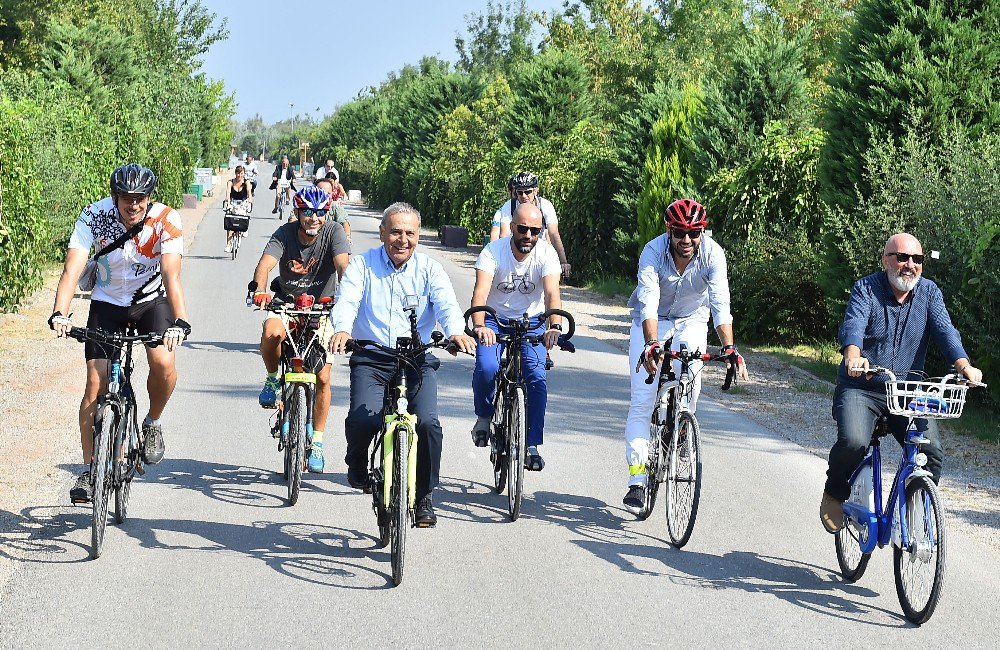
(311, 254)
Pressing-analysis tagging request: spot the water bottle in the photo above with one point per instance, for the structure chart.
(926, 403)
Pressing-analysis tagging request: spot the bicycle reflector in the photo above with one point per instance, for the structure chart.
(304, 301)
(297, 364)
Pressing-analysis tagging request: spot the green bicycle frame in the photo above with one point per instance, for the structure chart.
(395, 421)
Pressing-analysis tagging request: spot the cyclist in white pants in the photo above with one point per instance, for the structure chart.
(682, 279)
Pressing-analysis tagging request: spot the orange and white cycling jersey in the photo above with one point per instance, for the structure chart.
(131, 274)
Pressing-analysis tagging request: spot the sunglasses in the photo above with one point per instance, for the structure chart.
(903, 258)
(527, 192)
(524, 230)
(308, 212)
(678, 233)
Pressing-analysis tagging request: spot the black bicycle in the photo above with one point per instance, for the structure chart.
(508, 431)
(302, 357)
(117, 457)
(392, 467)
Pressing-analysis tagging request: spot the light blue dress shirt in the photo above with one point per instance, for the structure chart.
(371, 297)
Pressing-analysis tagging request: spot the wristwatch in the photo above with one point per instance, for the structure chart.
(556, 326)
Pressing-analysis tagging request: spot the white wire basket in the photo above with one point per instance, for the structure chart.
(937, 399)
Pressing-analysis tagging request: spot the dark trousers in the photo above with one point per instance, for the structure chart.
(856, 411)
(370, 374)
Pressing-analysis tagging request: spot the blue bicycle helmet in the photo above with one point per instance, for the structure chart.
(312, 197)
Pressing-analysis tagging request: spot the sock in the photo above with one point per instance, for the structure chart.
(317, 437)
(273, 375)
(149, 420)
(533, 450)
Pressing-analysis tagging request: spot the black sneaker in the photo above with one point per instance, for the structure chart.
(152, 443)
(81, 491)
(481, 432)
(423, 516)
(359, 479)
(634, 499)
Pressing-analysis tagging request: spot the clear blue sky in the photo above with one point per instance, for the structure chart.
(363, 39)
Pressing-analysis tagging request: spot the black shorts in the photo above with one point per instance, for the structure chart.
(152, 316)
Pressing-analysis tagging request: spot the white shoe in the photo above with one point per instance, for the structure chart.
(229, 248)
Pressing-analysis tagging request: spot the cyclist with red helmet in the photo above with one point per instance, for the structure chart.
(311, 254)
(682, 281)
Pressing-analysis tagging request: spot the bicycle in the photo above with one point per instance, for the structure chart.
(236, 218)
(117, 457)
(302, 357)
(395, 469)
(508, 431)
(674, 455)
(283, 199)
(914, 525)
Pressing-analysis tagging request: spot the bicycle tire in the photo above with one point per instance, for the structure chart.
(104, 428)
(852, 561)
(398, 503)
(499, 444)
(123, 480)
(236, 244)
(515, 451)
(654, 469)
(296, 444)
(382, 515)
(683, 480)
(927, 537)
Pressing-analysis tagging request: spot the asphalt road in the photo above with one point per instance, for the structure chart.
(213, 556)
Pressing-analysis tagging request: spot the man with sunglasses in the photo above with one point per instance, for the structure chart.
(311, 254)
(890, 316)
(516, 275)
(523, 188)
(682, 281)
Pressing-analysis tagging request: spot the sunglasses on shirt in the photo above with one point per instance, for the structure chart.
(524, 230)
(903, 258)
(308, 212)
(679, 233)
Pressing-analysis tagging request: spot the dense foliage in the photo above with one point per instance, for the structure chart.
(87, 85)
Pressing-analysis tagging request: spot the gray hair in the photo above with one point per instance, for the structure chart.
(398, 207)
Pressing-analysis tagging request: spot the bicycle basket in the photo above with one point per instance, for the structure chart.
(937, 400)
(241, 224)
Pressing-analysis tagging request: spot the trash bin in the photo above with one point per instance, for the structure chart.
(195, 188)
(454, 236)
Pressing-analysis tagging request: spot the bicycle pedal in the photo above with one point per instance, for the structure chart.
(139, 469)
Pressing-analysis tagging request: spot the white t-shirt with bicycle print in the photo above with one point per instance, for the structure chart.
(517, 286)
(503, 216)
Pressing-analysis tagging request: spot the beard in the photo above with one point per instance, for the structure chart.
(901, 284)
(524, 248)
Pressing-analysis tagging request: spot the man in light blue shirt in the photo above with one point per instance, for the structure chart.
(370, 301)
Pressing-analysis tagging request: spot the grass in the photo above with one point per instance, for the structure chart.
(820, 359)
(978, 420)
(612, 286)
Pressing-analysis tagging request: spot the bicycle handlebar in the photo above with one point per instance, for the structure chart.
(522, 325)
(437, 341)
(96, 334)
(958, 379)
(688, 356)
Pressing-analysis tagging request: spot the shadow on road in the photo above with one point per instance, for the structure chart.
(40, 534)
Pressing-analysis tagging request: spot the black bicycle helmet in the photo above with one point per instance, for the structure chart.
(524, 179)
(133, 179)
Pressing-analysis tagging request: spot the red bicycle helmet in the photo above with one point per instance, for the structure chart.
(687, 214)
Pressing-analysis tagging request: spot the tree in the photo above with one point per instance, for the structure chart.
(551, 95)
(496, 40)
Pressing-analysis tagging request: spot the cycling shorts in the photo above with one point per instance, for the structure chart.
(152, 316)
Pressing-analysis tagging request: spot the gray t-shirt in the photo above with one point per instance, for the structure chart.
(307, 268)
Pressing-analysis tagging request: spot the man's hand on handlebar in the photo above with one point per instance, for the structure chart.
(551, 338)
(261, 298)
(338, 342)
(175, 334)
(651, 355)
(857, 366)
(733, 356)
(974, 375)
(465, 344)
(61, 324)
(485, 335)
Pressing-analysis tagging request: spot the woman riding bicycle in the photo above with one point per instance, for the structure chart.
(238, 189)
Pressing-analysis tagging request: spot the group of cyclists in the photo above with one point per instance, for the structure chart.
(682, 282)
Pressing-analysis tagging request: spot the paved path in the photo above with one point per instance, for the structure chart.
(212, 556)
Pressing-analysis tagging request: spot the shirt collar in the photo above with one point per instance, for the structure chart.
(388, 262)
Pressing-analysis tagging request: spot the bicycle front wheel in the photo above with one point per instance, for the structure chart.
(498, 441)
(295, 446)
(683, 479)
(655, 465)
(920, 569)
(515, 450)
(126, 452)
(398, 503)
(236, 244)
(102, 474)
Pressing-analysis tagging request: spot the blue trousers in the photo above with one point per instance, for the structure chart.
(533, 366)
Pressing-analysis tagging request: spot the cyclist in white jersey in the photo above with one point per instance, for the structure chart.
(139, 282)
(523, 188)
(682, 279)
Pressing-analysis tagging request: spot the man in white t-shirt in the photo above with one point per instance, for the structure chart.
(523, 188)
(326, 169)
(251, 171)
(516, 275)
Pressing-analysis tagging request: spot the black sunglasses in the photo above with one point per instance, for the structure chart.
(308, 212)
(527, 192)
(678, 233)
(903, 258)
(524, 230)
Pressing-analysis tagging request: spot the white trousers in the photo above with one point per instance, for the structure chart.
(694, 333)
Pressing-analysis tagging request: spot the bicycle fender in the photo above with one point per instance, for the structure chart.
(300, 378)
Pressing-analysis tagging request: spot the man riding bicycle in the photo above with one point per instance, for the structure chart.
(890, 317)
(370, 306)
(516, 275)
(682, 280)
(251, 171)
(283, 172)
(523, 188)
(138, 282)
(311, 254)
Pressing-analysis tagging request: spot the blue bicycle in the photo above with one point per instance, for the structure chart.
(914, 524)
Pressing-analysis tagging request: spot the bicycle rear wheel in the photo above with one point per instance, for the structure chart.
(101, 473)
(296, 443)
(919, 570)
(655, 465)
(852, 561)
(127, 451)
(236, 244)
(398, 504)
(683, 479)
(515, 450)
(499, 444)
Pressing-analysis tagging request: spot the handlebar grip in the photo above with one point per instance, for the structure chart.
(730, 375)
(475, 310)
(566, 315)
